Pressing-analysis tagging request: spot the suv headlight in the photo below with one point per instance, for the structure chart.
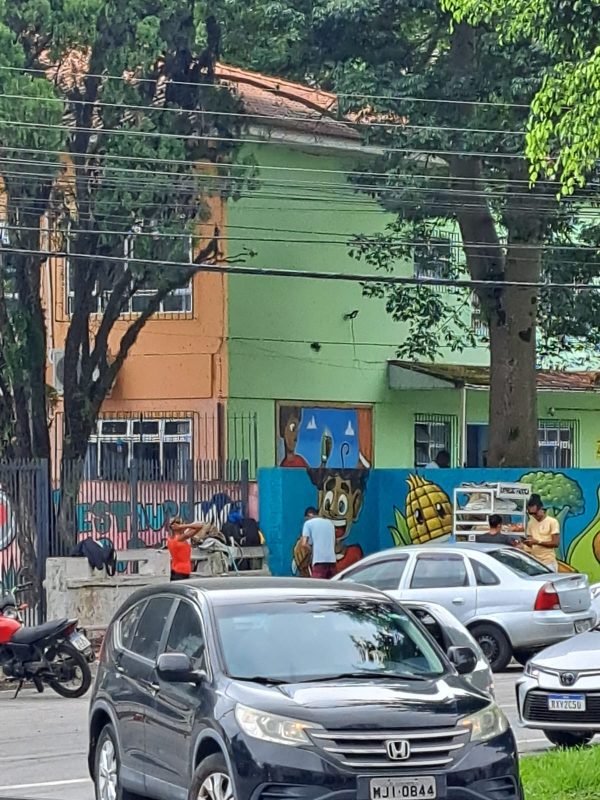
(271, 727)
(486, 724)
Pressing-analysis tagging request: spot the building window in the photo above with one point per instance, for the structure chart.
(159, 448)
(433, 258)
(479, 324)
(433, 432)
(558, 443)
(178, 301)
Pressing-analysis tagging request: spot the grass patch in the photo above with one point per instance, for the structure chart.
(562, 775)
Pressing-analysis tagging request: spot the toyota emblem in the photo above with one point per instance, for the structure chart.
(568, 678)
(398, 750)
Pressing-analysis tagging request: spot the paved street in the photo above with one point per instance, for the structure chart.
(43, 743)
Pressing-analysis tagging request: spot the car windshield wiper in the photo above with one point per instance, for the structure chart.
(404, 676)
(258, 679)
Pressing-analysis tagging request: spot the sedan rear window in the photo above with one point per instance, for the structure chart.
(519, 562)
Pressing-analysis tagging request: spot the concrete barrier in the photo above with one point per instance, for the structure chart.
(74, 589)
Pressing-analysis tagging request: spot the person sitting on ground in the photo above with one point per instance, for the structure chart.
(495, 535)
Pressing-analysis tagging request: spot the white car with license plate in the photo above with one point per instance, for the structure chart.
(559, 692)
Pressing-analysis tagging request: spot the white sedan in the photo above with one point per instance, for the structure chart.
(559, 692)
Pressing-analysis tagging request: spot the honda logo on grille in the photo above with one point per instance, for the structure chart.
(568, 678)
(398, 750)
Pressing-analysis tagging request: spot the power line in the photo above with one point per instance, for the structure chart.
(248, 115)
(199, 163)
(245, 140)
(141, 180)
(400, 244)
(234, 269)
(274, 90)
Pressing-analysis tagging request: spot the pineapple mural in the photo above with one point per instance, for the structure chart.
(428, 514)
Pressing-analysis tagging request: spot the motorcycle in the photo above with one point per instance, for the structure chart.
(57, 654)
(9, 607)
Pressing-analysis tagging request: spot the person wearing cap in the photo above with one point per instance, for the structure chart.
(543, 533)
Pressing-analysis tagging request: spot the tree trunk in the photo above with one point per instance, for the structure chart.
(513, 428)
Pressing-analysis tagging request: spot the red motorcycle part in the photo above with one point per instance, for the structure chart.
(8, 628)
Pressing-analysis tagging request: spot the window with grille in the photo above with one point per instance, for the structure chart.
(433, 258)
(479, 324)
(160, 449)
(434, 432)
(558, 442)
(178, 301)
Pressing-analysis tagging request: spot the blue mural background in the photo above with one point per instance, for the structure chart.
(570, 495)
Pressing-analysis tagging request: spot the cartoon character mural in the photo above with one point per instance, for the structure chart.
(427, 516)
(324, 436)
(340, 498)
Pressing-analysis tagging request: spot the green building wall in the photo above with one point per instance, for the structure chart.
(288, 338)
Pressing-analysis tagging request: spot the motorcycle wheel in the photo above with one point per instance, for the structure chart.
(65, 658)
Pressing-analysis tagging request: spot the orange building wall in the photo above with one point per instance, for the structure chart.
(179, 362)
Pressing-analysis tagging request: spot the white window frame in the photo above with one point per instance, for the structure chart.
(185, 292)
(434, 424)
(564, 449)
(130, 438)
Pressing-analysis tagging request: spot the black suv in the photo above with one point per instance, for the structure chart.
(274, 689)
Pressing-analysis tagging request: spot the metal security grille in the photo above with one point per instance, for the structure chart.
(432, 433)
(559, 443)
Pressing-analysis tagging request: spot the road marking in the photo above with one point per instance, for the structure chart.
(47, 784)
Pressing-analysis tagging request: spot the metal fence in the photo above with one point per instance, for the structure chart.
(130, 508)
(24, 530)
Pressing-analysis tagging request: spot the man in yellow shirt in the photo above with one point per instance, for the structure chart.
(543, 533)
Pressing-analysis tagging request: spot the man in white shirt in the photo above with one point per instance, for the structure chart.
(318, 533)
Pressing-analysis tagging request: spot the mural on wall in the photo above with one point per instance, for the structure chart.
(427, 514)
(340, 498)
(110, 520)
(324, 436)
(402, 507)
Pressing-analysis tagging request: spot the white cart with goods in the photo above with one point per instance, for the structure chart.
(474, 503)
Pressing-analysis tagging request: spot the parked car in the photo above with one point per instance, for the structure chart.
(270, 688)
(493, 591)
(559, 692)
(449, 632)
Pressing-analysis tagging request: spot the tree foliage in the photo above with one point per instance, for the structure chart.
(563, 139)
(106, 110)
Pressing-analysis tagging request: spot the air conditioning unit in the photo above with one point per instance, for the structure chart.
(57, 361)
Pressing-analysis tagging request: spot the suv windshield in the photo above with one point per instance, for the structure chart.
(519, 562)
(303, 640)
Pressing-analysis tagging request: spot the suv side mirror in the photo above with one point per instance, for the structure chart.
(177, 668)
(463, 659)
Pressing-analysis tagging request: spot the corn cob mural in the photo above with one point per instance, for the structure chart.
(427, 515)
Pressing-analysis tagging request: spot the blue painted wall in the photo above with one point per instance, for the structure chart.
(382, 508)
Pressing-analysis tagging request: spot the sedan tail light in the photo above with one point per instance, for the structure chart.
(547, 598)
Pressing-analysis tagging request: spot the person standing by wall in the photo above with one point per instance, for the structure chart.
(543, 533)
(318, 534)
(180, 549)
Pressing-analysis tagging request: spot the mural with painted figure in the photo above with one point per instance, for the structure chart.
(340, 498)
(403, 507)
(324, 436)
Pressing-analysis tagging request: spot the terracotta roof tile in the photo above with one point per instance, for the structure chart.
(272, 101)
